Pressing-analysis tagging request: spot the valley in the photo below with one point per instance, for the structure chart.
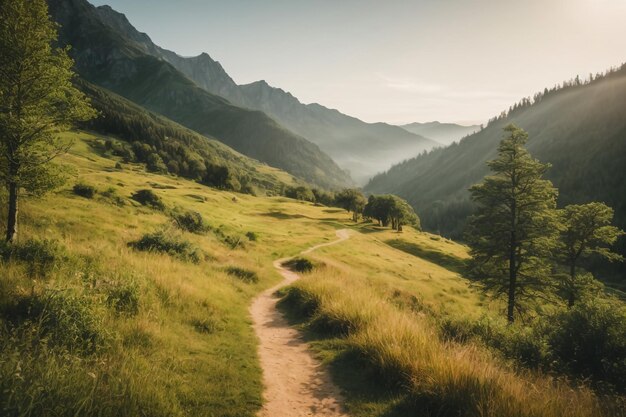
(177, 244)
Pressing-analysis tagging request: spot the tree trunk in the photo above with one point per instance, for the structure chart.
(13, 211)
(512, 268)
(571, 299)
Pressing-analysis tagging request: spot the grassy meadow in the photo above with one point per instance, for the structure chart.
(93, 326)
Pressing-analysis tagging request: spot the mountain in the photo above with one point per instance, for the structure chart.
(109, 56)
(580, 129)
(444, 133)
(363, 149)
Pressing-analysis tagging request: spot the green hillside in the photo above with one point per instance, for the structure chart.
(182, 151)
(107, 58)
(168, 334)
(579, 129)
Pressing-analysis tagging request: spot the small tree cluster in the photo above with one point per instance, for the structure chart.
(390, 209)
(352, 200)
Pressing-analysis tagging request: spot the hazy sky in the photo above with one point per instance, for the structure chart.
(394, 61)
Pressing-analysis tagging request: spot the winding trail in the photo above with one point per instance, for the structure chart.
(296, 384)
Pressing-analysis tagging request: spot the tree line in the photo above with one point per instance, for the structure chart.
(522, 246)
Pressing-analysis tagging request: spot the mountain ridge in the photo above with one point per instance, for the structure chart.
(444, 133)
(363, 149)
(114, 58)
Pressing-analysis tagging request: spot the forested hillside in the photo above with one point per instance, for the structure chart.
(579, 128)
(108, 58)
(168, 147)
(362, 148)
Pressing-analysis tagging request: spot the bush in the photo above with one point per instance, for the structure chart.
(163, 243)
(84, 190)
(245, 275)
(232, 240)
(148, 198)
(590, 340)
(124, 298)
(61, 318)
(40, 256)
(190, 221)
(252, 236)
(111, 194)
(299, 265)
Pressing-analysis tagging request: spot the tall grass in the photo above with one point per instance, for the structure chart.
(441, 378)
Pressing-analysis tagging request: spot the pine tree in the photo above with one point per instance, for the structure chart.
(37, 100)
(514, 227)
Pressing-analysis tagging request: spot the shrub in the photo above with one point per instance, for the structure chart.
(148, 198)
(124, 298)
(111, 194)
(84, 190)
(190, 221)
(252, 236)
(163, 243)
(39, 256)
(590, 340)
(62, 318)
(245, 275)
(232, 240)
(299, 265)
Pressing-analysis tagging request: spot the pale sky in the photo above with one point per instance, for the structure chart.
(394, 61)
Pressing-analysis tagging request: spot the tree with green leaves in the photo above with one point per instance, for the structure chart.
(37, 101)
(586, 231)
(515, 227)
(352, 200)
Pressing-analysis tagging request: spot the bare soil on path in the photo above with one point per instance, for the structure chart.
(296, 383)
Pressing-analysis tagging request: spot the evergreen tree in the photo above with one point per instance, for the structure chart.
(37, 100)
(514, 227)
(586, 231)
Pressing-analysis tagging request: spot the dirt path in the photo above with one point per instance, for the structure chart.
(296, 384)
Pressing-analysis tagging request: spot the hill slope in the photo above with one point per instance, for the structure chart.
(111, 59)
(182, 151)
(444, 133)
(362, 148)
(580, 130)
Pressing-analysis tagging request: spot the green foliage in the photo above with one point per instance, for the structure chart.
(243, 274)
(38, 100)
(252, 236)
(163, 242)
(514, 230)
(182, 151)
(589, 340)
(123, 297)
(61, 318)
(586, 231)
(300, 193)
(299, 264)
(190, 221)
(111, 194)
(391, 209)
(40, 257)
(352, 200)
(148, 198)
(84, 190)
